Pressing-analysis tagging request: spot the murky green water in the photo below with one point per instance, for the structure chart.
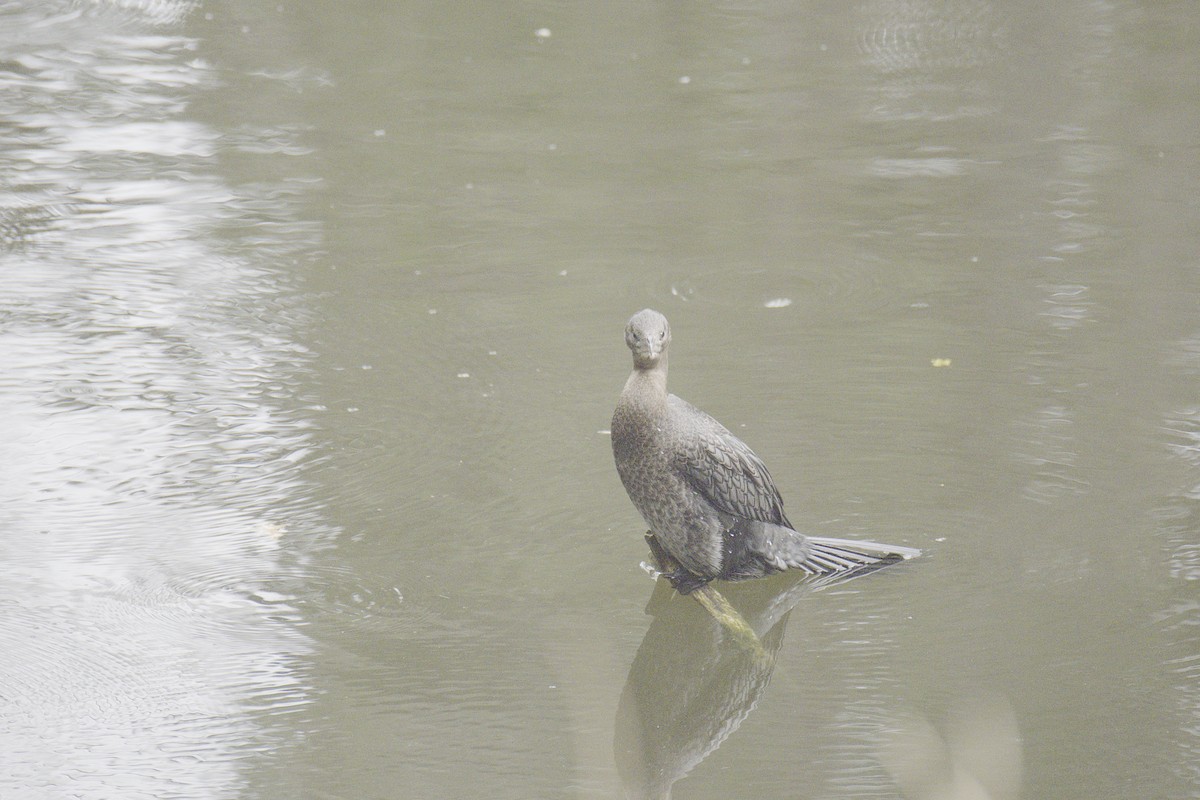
(310, 324)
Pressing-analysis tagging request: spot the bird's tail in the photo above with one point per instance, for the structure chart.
(828, 556)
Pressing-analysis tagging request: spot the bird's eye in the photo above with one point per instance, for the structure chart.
(662, 335)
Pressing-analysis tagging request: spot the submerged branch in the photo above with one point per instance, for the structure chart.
(713, 601)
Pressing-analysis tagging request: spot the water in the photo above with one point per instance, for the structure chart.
(311, 322)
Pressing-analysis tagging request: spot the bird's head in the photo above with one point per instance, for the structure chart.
(647, 336)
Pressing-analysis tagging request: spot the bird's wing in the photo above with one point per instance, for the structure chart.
(726, 471)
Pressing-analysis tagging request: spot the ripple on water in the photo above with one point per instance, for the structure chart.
(301, 594)
(340, 594)
(118, 691)
(915, 37)
(149, 398)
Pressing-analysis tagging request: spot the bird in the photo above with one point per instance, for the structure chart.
(710, 502)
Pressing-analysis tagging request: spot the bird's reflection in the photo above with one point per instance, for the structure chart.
(693, 681)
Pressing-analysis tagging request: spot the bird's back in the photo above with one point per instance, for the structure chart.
(723, 468)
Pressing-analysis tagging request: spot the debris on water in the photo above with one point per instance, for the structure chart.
(272, 530)
(683, 291)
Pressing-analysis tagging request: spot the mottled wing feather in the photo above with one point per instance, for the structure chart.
(730, 476)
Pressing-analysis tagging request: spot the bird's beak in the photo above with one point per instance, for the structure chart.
(649, 350)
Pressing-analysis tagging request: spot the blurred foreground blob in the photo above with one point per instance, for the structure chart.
(977, 757)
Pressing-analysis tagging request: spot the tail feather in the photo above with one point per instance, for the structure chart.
(755, 549)
(826, 555)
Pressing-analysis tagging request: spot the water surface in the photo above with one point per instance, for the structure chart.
(311, 323)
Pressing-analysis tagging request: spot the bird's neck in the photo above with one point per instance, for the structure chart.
(647, 388)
